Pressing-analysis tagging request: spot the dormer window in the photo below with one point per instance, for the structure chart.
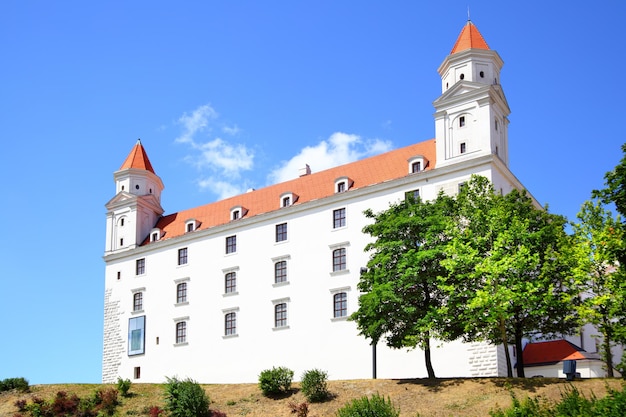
(343, 184)
(237, 212)
(287, 199)
(191, 225)
(155, 235)
(417, 164)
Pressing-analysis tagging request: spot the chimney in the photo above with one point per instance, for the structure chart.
(306, 170)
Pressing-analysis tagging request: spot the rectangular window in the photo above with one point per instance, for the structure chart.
(461, 121)
(339, 218)
(235, 214)
(181, 332)
(341, 187)
(339, 259)
(280, 271)
(286, 201)
(140, 267)
(137, 372)
(138, 301)
(340, 301)
(280, 315)
(181, 293)
(136, 335)
(182, 256)
(281, 232)
(231, 244)
(189, 227)
(463, 148)
(230, 282)
(416, 167)
(230, 324)
(415, 194)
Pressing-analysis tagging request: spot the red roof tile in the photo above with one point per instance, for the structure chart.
(551, 352)
(369, 171)
(469, 38)
(138, 158)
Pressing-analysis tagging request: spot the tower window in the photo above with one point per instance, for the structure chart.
(122, 222)
(496, 125)
(462, 76)
(461, 121)
(482, 74)
(463, 149)
(137, 187)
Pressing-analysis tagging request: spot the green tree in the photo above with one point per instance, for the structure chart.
(402, 301)
(599, 239)
(615, 186)
(509, 267)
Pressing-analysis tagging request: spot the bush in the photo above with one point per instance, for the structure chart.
(19, 384)
(300, 410)
(275, 381)
(314, 385)
(186, 399)
(366, 407)
(123, 386)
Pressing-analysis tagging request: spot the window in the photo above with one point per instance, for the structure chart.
(231, 244)
(463, 148)
(339, 259)
(497, 125)
(181, 332)
(230, 282)
(281, 232)
(340, 305)
(182, 256)
(181, 293)
(339, 218)
(461, 121)
(137, 372)
(140, 267)
(341, 187)
(154, 237)
(414, 194)
(286, 201)
(236, 214)
(280, 271)
(122, 242)
(138, 301)
(189, 227)
(230, 324)
(462, 186)
(122, 222)
(136, 335)
(280, 315)
(482, 74)
(416, 166)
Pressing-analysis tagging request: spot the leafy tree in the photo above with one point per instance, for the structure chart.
(599, 240)
(615, 182)
(509, 267)
(402, 302)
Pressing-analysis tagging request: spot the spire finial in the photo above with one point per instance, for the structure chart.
(468, 14)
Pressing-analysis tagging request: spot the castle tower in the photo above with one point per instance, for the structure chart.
(471, 115)
(136, 207)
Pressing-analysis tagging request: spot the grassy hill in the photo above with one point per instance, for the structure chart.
(442, 397)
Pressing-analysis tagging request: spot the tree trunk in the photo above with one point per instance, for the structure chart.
(509, 369)
(429, 364)
(606, 347)
(518, 349)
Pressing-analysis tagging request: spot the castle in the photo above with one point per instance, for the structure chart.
(268, 278)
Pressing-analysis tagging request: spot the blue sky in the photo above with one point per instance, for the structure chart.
(231, 95)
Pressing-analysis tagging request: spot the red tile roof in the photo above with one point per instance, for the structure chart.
(369, 171)
(469, 38)
(137, 158)
(551, 352)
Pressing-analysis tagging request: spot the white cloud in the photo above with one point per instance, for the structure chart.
(211, 153)
(340, 148)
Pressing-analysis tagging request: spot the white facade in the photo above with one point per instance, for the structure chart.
(160, 281)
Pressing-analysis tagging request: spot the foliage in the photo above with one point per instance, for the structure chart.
(155, 411)
(599, 239)
(509, 268)
(401, 299)
(123, 386)
(217, 413)
(314, 385)
(300, 410)
(615, 186)
(186, 398)
(19, 384)
(376, 406)
(102, 402)
(572, 404)
(275, 381)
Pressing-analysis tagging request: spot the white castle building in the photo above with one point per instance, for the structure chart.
(220, 292)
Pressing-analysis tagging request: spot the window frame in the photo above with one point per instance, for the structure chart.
(230, 277)
(339, 218)
(280, 272)
(181, 332)
(280, 315)
(231, 244)
(230, 323)
(140, 266)
(183, 256)
(181, 293)
(342, 310)
(281, 232)
(340, 259)
(137, 301)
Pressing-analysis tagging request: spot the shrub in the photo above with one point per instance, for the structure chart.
(366, 407)
(155, 411)
(275, 381)
(314, 385)
(186, 399)
(300, 410)
(123, 386)
(19, 384)
(216, 413)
